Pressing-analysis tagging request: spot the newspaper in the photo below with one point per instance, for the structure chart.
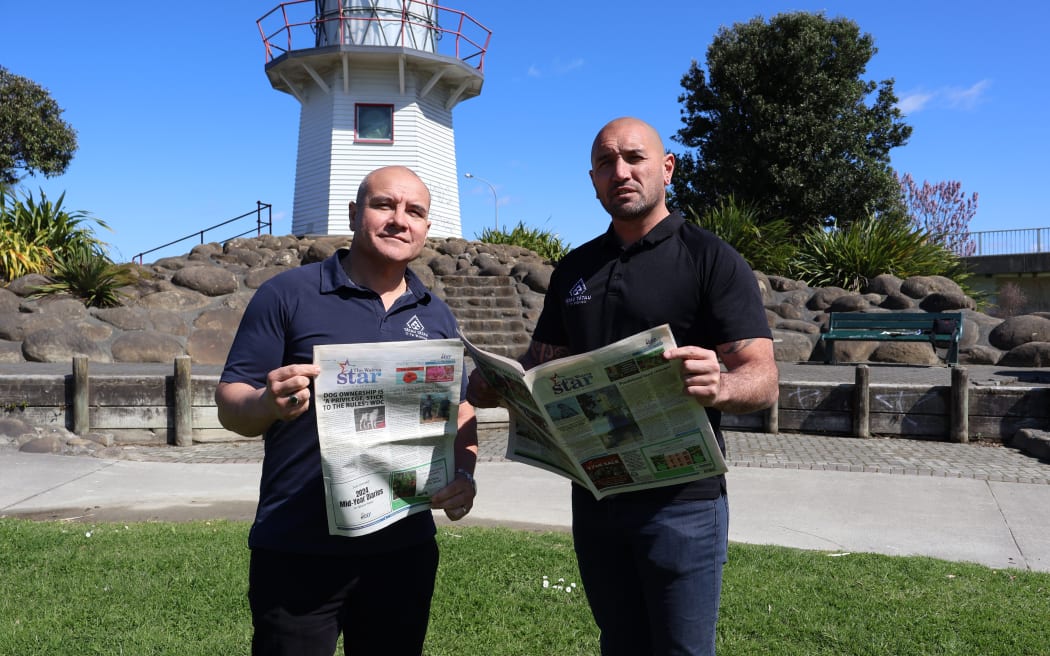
(387, 422)
(613, 420)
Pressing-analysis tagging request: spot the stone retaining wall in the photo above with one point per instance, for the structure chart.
(179, 409)
(191, 305)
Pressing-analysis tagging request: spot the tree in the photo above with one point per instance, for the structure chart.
(943, 211)
(782, 123)
(33, 136)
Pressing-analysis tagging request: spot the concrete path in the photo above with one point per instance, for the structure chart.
(988, 505)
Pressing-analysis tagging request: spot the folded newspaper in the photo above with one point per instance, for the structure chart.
(387, 423)
(613, 420)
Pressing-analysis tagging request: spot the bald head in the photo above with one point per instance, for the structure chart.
(630, 172)
(396, 172)
(628, 124)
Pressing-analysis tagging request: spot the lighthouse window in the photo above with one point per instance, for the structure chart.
(374, 123)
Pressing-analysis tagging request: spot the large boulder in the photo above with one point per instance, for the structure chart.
(60, 344)
(208, 280)
(146, 346)
(792, 346)
(1031, 354)
(1015, 331)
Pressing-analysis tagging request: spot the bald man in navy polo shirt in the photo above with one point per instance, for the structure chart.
(651, 561)
(306, 586)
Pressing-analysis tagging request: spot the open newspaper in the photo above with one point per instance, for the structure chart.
(613, 420)
(386, 419)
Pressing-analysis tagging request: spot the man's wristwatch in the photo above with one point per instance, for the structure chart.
(470, 478)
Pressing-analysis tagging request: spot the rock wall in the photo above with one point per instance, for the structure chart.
(192, 305)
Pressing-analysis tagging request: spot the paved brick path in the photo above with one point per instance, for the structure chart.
(747, 449)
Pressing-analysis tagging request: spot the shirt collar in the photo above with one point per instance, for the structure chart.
(667, 227)
(334, 277)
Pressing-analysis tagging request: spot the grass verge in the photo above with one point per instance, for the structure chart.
(179, 589)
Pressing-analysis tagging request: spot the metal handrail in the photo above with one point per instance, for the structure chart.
(298, 17)
(259, 224)
(1011, 242)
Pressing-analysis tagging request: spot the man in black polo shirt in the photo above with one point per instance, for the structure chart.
(651, 561)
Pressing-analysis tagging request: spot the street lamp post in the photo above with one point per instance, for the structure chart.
(495, 198)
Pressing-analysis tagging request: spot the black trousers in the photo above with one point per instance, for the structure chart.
(381, 603)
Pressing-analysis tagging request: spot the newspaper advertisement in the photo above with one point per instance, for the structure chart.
(387, 421)
(613, 420)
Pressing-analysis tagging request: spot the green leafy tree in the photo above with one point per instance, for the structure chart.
(782, 121)
(33, 136)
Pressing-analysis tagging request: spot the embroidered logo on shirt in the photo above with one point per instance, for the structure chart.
(578, 294)
(415, 328)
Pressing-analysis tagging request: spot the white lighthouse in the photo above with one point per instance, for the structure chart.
(377, 81)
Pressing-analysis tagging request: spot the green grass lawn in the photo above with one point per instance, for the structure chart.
(179, 589)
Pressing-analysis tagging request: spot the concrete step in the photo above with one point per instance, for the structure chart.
(509, 326)
(494, 314)
(455, 280)
(495, 302)
(479, 291)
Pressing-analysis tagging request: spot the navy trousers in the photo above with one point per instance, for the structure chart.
(380, 603)
(652, 571)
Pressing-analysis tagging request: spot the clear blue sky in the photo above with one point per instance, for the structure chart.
(179, 128)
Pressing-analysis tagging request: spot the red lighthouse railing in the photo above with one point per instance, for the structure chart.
(295, 25)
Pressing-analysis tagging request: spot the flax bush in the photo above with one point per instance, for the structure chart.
(90, 277)
(547, 244)
(850, 256)
(35, 233)
(765, 245)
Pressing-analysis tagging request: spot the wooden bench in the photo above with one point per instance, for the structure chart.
(936, 328)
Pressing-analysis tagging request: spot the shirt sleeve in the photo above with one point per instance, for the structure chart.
(259, 345)
(550, 327)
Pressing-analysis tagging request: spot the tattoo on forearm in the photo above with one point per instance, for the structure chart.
(734, 347)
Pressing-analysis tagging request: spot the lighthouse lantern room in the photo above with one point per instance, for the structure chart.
(377, 81)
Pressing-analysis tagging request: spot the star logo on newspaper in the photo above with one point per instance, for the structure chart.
(561, 384)
(343, 366)
(578, 294)
(415, 328)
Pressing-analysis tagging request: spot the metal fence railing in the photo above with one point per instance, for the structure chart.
(1011, 242)
(260, 207)
(296, 25)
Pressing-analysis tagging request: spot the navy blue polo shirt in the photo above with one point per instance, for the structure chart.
(288, 315)
(678, 274)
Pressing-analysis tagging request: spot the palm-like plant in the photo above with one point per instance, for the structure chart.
(765, 245)
(19, 257)
(90, 277)
(48, 224)
(543, 242)
(850, 256)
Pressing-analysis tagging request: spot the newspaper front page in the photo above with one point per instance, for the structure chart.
(613, 420)
(387, 421)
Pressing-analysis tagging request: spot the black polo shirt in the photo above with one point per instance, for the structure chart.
(678, 274)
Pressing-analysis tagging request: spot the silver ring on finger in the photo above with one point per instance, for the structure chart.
(293, 400)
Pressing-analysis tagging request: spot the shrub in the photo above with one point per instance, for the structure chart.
(766, 246)
(19, 257)
(547, 244)
(851, 256)
(49, 225)
(1011, 301)
(90, 277)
